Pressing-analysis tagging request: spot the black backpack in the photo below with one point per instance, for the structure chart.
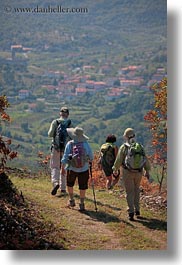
(61, 134)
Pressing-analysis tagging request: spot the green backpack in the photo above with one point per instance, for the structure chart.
(135, 157)
(108, 153)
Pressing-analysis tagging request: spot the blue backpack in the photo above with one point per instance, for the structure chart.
(61, 134)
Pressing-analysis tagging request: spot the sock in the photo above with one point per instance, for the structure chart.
(82, 200)
(71, 196)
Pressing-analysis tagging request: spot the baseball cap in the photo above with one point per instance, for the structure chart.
(64, 109)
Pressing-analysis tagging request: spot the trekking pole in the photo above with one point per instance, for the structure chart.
(92, 180)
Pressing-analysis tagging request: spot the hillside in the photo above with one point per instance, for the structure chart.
(99, 61)
(134, 22)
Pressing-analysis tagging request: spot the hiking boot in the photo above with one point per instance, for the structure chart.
(137, 213)
(71, 203)
(54, 190)
(131, 216)
(82, 207)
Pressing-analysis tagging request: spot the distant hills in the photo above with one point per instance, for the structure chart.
(66, 37)
(98, 24)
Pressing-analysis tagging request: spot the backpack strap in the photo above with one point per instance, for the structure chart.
(126, 146)
(57, 124)
(69, 123)
(113, 149)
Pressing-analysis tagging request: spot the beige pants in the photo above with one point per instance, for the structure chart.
(131, 181)
(58, 174)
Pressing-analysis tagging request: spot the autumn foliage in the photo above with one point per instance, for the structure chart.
(5, 149)
(157, 122)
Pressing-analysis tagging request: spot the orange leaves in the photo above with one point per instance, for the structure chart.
(152, 116)
(161, 102)
(160, 97)
(5, 116)
(155, 142)
(12, 154)
(3, 103)
(44, 162)
(157, 119)
(97, 174)
(5, 151)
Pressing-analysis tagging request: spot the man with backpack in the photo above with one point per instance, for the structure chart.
(59, 136)
(108, 153)
(77, 158)
(131, 156)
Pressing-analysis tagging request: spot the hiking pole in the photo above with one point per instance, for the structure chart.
(92, 180)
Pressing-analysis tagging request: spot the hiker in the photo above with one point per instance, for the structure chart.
(59, 136)
(108, 153)
(77, 158)
(131, 157)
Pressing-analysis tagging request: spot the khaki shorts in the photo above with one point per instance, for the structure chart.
(82, 179)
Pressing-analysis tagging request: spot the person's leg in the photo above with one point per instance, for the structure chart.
(83, 178)
(55, 170)
(63, 179)
(108, 173)
(71, 177)
(82, 197)
(137, 181)
(62, 176)
(129, 188)
(109, 182)
(70, 192)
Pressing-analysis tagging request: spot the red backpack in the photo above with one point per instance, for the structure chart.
(79, 157)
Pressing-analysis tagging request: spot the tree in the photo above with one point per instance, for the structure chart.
(40, 106)
(157, 119)
(5, 150)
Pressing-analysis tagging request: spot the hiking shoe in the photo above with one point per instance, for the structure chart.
(110, 187)
(54, 191)
(71, 203)
(63, 191)
(82, 207)
(131, 216)
(137, 213)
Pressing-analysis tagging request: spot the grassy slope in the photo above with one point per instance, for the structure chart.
(106, 229)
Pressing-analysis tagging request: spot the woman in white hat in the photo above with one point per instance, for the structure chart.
(77, 156)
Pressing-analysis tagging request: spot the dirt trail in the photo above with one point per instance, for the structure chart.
(106, 229)
(91, 231)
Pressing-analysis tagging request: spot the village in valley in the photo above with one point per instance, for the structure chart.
(100, 64)
(87, 79)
